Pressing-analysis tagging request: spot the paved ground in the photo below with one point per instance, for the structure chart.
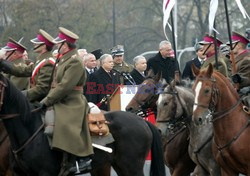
(146, 170)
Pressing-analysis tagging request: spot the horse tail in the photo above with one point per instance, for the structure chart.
(157, 161)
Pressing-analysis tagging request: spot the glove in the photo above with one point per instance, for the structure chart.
(5, 66)
(236, 78)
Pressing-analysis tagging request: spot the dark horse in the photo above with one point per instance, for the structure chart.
(133, 140)
(175, 109)
(175, 146)
(4, 152)
(217, 101)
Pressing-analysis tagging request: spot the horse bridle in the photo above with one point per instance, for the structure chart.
(178, 119)
(212, 115)
(145, 105)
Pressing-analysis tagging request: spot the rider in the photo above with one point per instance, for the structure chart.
(14, 54)
(242, 61)
(209, 50)
(71, 132)
(40, 71)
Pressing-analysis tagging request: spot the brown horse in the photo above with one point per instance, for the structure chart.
(216, 100)
(4, 154)
(178, 161)
(175, 109)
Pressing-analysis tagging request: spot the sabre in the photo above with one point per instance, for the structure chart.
(101, 147)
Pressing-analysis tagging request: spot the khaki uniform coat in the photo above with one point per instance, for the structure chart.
(40, 85)
(22, 83)
(243, 68)
(71, 132)
(222, 66)
(124, 67)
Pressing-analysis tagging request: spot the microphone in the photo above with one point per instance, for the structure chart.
(128, 77)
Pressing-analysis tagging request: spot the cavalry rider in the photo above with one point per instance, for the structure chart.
(14, 55)
(209, 50)
(71, 133)
(242, 61)
(40, 71)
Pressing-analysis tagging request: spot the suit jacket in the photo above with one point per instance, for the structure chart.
(138, 78)
(85, 86)
(187, 72)
(101, 84)
(167, 66)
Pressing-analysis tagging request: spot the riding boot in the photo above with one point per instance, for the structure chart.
(80, 165)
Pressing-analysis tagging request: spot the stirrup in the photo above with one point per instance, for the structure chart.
(246, 109)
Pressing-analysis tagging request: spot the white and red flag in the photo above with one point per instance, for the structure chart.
(242, 9)
(167, 7)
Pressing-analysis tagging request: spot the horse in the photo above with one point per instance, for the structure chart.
(146, 97)
(175, 109)
(4, 154)
(216, 100)
(133, 140)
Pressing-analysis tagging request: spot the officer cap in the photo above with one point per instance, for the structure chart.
(65, 35)
(237, 37)
(14, 45)
(43, 38)
(97, 53)
(208, 39)
(117, 50)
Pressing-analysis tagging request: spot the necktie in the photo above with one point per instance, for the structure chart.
(91, 71)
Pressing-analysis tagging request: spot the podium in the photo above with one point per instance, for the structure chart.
(122, 96)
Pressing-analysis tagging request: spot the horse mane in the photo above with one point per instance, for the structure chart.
(225, 81)
(14, 98)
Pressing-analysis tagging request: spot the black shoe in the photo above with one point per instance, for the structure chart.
(84, 164)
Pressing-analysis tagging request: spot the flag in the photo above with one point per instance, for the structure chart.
(167, 7)
(212, 12)
(242, 9)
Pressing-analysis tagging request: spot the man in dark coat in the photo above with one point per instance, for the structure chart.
(165, 62)
(198, 61)
(138, 73)
(89, 61)
(103, 82)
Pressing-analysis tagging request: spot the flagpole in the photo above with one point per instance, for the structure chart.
(215, 46)
(234, 70)
(173, 34)
(230, 39)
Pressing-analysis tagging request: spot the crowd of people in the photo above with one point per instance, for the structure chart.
(67, 79)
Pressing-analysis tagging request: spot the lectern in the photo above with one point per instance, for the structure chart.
(121, 97)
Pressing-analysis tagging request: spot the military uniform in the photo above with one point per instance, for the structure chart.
(40, 72)
(222, 66)
(22, 83)
(71, 132)
(242, 61)
(123, 66)
(13, 46)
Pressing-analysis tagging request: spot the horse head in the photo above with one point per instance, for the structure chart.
(174, 107)
(209, 88)
(147, 93)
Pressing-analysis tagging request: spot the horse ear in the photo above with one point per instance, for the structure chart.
(195, 70)
(150, 73)
(210, 70)
(172, 84)
(158, 76)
